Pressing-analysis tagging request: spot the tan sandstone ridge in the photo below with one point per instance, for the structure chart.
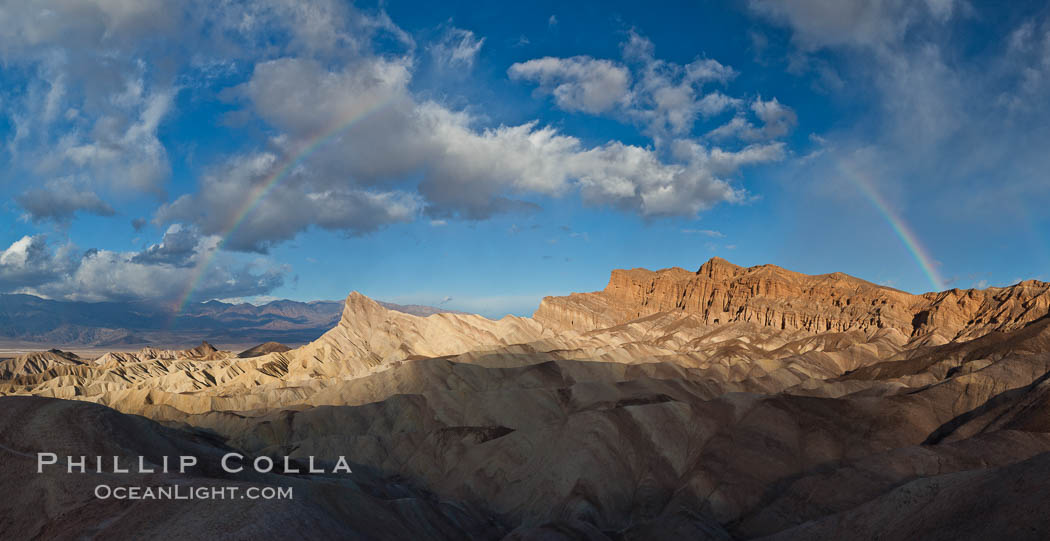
(730, 403)
(721, 292)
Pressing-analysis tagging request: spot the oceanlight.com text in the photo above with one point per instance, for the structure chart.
(184, 492)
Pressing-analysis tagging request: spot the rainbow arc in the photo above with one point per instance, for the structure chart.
(899, 226)
(262, 189)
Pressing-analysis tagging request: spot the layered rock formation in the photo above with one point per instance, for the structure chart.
(721, 292)
(707, 405)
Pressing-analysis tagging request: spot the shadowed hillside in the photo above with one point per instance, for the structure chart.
(728, 403)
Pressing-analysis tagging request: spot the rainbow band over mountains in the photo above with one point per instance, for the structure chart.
(852, 173)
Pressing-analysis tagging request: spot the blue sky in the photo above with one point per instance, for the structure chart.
(480, 156)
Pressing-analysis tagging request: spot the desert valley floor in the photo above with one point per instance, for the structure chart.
(725, 403)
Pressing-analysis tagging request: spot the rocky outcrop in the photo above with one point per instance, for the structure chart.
(720, 292)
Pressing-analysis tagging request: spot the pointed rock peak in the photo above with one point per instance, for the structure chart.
(717, 268)
(358, 305)
(202, 350)
(355, 298)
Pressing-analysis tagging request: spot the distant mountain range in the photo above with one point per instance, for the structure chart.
(26, 320)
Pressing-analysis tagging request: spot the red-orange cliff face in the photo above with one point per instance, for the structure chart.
(721, 292)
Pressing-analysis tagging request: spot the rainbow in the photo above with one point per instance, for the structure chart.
(907, 236)
(262, 189)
